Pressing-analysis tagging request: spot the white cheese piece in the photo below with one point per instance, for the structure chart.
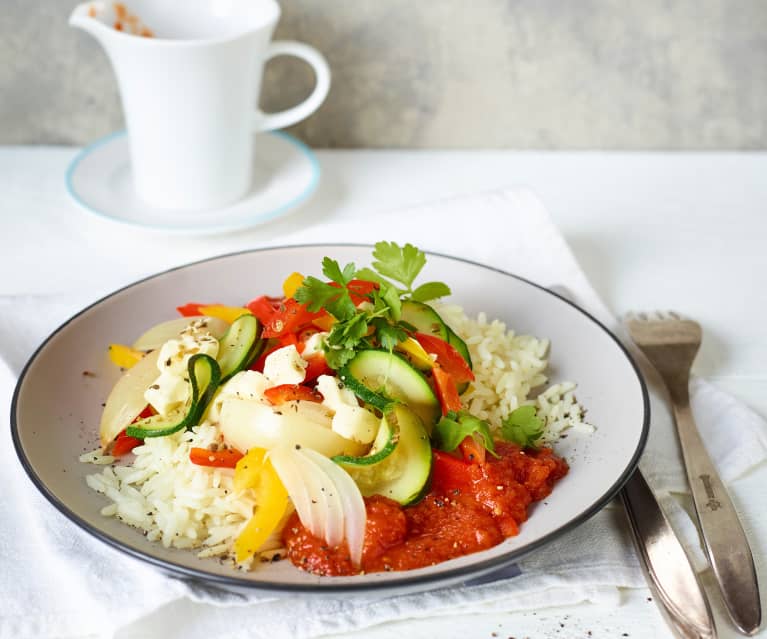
(285, 366)
(313, 345)
(171, 389)
(355, 423)
(334, 393)
(175, 353)
(350, 420)
(248, 385)
(167, 392)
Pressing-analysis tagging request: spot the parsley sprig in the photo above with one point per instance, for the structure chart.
(522, 426)
(402, 264)
(454, 427)
(378, 322)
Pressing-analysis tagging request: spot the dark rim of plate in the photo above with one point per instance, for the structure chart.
(450, 575)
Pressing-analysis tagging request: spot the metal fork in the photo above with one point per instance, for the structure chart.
(670, 343)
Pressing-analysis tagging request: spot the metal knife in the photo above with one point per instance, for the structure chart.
(672, 579)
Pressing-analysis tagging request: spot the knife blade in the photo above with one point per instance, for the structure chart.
(672, 579)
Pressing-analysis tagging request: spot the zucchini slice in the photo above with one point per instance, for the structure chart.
(380, 377)
(458, 344)
(204, 377)
(237, 346)
(384, 445)
(403, 475)
(424, 318)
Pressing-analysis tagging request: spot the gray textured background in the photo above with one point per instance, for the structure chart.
(547, 74)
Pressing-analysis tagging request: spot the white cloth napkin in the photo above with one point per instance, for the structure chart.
(77, 586)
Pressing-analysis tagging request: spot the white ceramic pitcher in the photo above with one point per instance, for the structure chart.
(189, 93)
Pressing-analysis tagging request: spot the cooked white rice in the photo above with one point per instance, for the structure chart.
(172, 500)
(183, 505)
(507, 369)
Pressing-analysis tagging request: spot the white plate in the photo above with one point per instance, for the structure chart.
(285, 173)
(56, 409)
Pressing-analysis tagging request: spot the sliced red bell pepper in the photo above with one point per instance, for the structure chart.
(264, 308)
(291, 317)
(447, 357)
(360, 290)
(124, 444)
(288, 392)
(317, 365)
(191, 309)
(147, 412)
(450, 473)
(226, 458)
(446, 390)
(473, 451)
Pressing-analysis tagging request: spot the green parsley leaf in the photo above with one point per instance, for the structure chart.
(317, 295)
(390, 296)
(344, 338)
(454, 427)
(338, 358)
(332, 270)
(402, 264)
(388, 334)
(430, 291)
(347, 334)
(369, 275)
(522, 426)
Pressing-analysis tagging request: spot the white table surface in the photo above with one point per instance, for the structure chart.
(652, 231)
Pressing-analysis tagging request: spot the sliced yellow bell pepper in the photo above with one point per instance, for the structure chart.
(324, 322)
(248, 469)
(292, 283)
(124, 356)
(418, 355)
(272, 502)
(226, 313)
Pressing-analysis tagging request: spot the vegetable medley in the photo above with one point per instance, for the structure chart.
(340, 393)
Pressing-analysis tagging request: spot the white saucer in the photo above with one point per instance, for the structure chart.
(286, 172)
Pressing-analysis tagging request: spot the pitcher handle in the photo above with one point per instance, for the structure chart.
(281, 119)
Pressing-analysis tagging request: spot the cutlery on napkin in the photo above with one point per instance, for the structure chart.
(79, 586)
(670, 575)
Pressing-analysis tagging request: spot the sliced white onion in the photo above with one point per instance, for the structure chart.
(284, 461)
(247, 424)
(126, 400)
(326, 498)
(156, 336)
(352, 504)
(329, 501)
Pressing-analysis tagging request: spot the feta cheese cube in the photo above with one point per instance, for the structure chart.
(172, 389)
(355, 423)
(285, 366)
(313, 345)
(168, 392)
(249, 385)
(334, 393)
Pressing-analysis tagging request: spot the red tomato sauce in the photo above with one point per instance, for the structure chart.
(474, 507)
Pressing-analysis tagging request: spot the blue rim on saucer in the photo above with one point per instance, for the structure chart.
(242, 214)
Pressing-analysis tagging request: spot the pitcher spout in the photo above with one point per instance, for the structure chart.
(86, 16)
